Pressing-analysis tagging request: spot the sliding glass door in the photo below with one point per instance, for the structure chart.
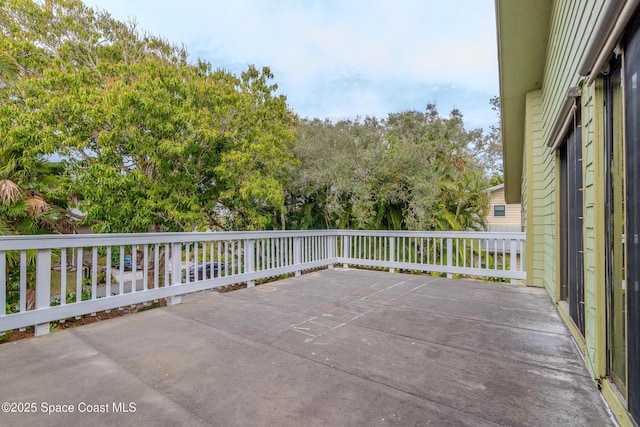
(571, 223)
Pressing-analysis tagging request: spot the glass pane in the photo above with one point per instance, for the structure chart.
(631, 68)
(615, 229)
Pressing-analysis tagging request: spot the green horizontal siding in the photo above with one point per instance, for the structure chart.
(572, 25)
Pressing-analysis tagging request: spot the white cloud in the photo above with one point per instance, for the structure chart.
(334, 44)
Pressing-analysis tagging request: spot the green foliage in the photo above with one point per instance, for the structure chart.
(411, 171)
(85, 295)
(145, 141)
(148, 141)
(488, 149)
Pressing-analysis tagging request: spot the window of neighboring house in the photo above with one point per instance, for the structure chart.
(499, 210)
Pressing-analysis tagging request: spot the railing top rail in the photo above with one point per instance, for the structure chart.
(437, 234)
(52, 241)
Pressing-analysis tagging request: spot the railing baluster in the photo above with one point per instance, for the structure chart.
(249, 250)
(233, 257)
(134, 268)
(167, 260)
(297, 253)
(449, 255)
(265, 254)
(145, 271)
(375, 247)
(367, 247)
(219, 254)
(213, 258)
(224, 258)
(43, 287)
(176, 264)
(464, 252)
(156, 263)
(79, 271)
(121, 278)
(23, 281)
(512, 256)
(3, 284)
(107, 292)
(274, 253)
(63, 276)
(196, 261)
(392, 252)
(186, 261)
(487, 253)
(176, 271)
(94, 272)
(504, 254)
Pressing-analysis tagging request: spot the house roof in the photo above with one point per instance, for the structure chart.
(522, 33)
(494, 188)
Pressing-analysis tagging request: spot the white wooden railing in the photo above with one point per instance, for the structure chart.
(54, 277)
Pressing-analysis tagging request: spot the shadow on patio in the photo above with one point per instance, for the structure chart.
(333, 347)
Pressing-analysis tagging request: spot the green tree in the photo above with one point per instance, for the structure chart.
(488, 148)
(29, 202)
(148, 141)
(413, 170)
(8, 68)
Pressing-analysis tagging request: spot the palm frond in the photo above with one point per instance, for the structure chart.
(10, 192)
(36, 204)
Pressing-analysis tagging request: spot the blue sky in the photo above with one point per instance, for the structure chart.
(342, 58)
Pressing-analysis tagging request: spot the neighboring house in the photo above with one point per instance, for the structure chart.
(570, 104)
(502, 216)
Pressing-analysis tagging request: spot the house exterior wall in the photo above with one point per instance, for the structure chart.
(572, 25)
(594, 212)
(511, 221)
(540, 201)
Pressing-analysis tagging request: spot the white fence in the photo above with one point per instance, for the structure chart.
(54, 277)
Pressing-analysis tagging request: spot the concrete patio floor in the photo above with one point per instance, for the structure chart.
(329, 348)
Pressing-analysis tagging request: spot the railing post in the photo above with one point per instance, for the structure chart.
(449, 255)
(3, 284)
(297, 253)
(392, 252)
(332, 241)
(43, 287)
(176, 271)
(249, 252)
(346, 249)
(513, 256)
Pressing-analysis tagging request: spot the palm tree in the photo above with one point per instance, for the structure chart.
(26, 203)
(463, 202)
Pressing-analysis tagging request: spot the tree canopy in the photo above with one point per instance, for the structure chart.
(148, 141)
(412, 170)
(115, 128)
